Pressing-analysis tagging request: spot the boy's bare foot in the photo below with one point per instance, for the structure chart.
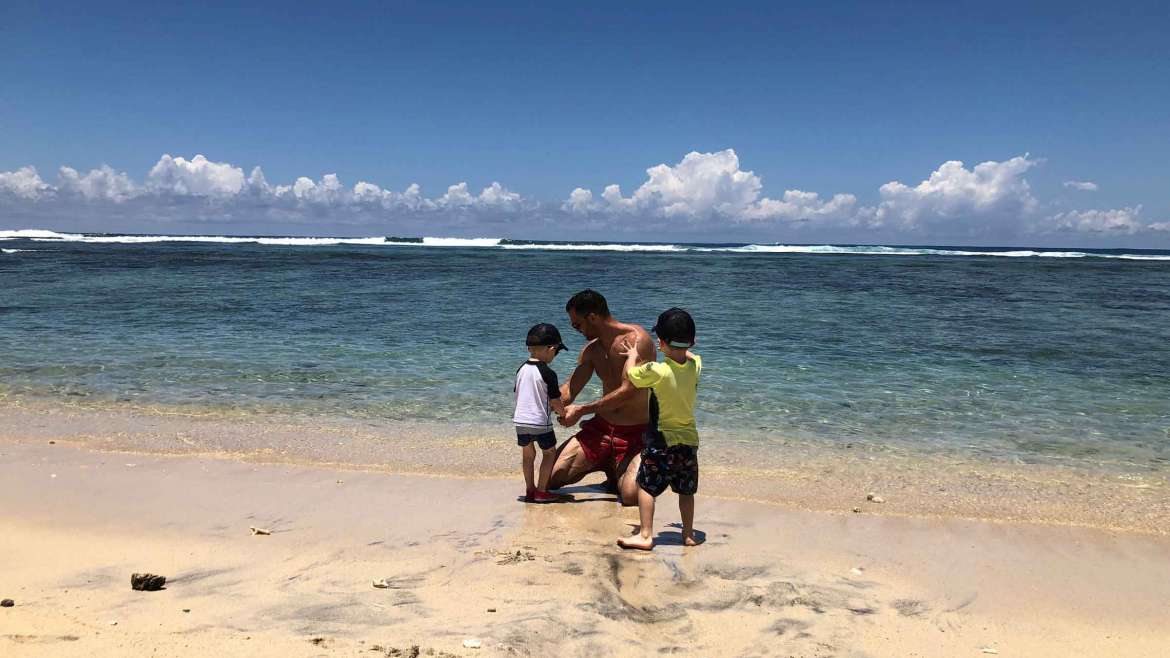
(539, 496)
(689, 540)
(637, 541)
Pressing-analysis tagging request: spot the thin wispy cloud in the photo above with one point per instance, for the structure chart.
(1120, 221)
(1084, 186)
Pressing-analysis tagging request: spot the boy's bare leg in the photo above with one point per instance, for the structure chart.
(644, 540)
(686, 507)
(527, 460)
(547, 457)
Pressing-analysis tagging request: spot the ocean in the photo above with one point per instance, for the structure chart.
(1026, 355)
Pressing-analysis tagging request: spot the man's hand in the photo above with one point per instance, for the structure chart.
(572, 415)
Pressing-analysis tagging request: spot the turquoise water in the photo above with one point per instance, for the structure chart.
(1012, 353)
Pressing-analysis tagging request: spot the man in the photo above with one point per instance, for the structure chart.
(611, 440)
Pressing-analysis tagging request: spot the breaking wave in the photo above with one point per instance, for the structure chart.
(41, 235)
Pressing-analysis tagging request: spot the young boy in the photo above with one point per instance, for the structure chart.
(537, 395)
(670, 456)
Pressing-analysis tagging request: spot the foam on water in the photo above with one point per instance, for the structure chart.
(31, 233)
(593, 247)
(461, 242)
(42, 235)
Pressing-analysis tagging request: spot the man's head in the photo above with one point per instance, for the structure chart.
(588, 311)
(675, 328)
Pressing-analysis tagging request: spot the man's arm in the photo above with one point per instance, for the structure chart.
(616, 397)
(580, 377)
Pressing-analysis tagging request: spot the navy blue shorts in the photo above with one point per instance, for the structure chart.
(546, 441)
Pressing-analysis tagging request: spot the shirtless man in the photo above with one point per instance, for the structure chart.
(610, 441)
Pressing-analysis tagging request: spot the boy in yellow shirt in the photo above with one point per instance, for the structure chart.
(670, 456)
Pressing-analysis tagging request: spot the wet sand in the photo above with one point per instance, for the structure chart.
(465, 560)
(795, 475)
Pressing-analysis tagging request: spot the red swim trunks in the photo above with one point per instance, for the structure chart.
(606, 445)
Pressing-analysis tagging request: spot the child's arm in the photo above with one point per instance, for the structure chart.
(558, 406)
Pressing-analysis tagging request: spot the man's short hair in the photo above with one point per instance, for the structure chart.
(588, 301)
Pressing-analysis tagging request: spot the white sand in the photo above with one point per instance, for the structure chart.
(769, 581)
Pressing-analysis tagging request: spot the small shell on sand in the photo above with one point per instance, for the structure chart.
(874, 498)
(260, 531)
(381, 583)
(472, 644)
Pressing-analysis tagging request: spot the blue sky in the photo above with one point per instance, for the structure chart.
(825, 98)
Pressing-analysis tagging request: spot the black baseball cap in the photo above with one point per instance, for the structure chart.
(545, 334)
(676, 327)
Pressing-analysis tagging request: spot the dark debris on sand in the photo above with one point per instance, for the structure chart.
(411, 652)
(147, 582)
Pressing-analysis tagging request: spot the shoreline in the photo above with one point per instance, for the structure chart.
(465, 560)
(797, 476)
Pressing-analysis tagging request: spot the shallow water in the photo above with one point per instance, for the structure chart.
(1026, 358)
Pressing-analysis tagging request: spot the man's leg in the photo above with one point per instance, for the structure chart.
(571, 465)
(627, 480)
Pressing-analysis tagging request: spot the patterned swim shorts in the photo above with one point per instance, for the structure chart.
(662, 465)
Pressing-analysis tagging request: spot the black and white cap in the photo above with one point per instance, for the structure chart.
(545, 334)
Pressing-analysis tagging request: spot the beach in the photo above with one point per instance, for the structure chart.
(911, 454)
(464, 560)
(372, 329)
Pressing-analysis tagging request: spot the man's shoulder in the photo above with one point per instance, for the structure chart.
(635, 329)
(638, 332)
(593, 349)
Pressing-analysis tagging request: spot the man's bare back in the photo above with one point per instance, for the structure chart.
(610, 441)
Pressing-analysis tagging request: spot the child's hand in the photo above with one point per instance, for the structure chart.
(572, 414)
(628, 347)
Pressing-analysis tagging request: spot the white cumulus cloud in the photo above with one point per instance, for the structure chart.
(24, 183)
(989, 189)
(709, 185)
(706, 194)
(1083, 185)
(195, 177)
(103, 183)
(803, 206)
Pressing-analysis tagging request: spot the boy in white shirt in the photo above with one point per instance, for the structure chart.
(538, 395)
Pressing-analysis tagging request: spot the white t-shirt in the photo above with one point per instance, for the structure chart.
(536, 384)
